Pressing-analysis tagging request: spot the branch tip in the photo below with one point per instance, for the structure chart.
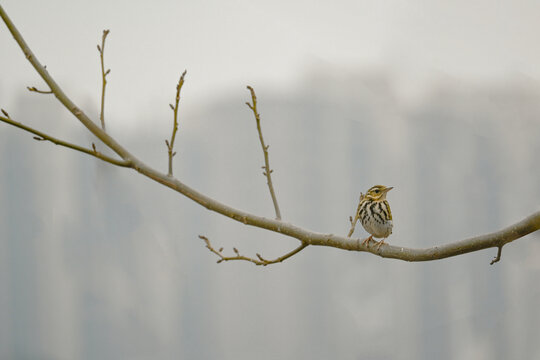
(42, 136)
(498, 257)
(174, 108)
(34, 89)
(104, 74)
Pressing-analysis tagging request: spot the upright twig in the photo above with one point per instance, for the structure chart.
(104, 74)
(170, 144)
(354, 220)
(259, 261)
(267, 171)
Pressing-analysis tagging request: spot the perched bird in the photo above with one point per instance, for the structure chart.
(375, 215)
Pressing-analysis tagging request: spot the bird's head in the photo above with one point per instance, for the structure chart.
(378, 192)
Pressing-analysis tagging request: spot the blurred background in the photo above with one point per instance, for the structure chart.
(441, 101)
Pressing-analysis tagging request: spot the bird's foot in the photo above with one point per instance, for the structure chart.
(367, 240)
(380, 243)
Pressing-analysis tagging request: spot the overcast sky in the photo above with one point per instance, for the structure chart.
(226, 45)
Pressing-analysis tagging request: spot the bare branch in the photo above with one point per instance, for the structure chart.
(170, 144)
(33, 89)
(42, 137)
(496, 239)
(267, 171)
(104, 74)
(260, 261)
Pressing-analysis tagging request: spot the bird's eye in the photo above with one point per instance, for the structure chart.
(377, 191)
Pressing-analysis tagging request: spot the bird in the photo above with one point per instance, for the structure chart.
(375, 215)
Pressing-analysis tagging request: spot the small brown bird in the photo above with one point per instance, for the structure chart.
(375, 215)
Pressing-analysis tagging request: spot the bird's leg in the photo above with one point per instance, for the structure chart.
(367, 240)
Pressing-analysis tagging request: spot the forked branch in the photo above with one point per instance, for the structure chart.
(496, 239)
(259, 261)
(267, 171)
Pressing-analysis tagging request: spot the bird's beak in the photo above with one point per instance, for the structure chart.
(388, 189)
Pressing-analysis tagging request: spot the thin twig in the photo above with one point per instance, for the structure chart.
(33, 89)
(42, 137)
(170, 144)
(267, 171)
(260, 261)
(354, 220)
(104, 74)
(283, 257)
